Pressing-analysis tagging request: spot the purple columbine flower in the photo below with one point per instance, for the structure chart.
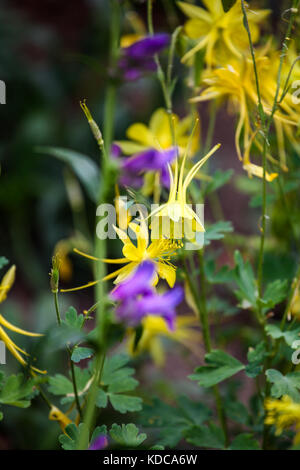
(99, 443)
(137, 298)
(139, 57)
(148, 160)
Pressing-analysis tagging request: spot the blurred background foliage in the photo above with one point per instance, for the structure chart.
(52, 55)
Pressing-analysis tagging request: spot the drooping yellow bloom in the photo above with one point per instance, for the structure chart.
(283, 414)
(155, 329)
(221, 34)
(57, 415)
(159, 251)
(236, 83)
(176, 219)
(6, 284)
(159, 134)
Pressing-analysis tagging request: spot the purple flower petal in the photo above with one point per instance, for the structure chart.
(138, 284)
(147, 46)
(99, 443)
(151, 159)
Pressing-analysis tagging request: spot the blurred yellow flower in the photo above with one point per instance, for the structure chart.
(6, 284)
(283, 414)
(159, 135)
(155, 329)
(236, 83)
(221, 34)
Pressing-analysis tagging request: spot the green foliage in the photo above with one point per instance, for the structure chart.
(62, 386)
(256, 357)
(289, 336)
(173, 422)
(219, 179)
(220, 366)
(116, 380)
(223, 275)
(210, 436)
(85, 169)
(275, 293)
(73, 320)
(244, 442)
(127, 435)
(244, 278)
(80, 353)
(15, 390)
(288, 384)
(69, 441)
(217, 231)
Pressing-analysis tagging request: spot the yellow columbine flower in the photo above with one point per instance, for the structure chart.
(155, 329)
(283, 414)
(175, 218)
(159, 251)
(221, 34)
(6, 284)
(236, 83)
(158, 134)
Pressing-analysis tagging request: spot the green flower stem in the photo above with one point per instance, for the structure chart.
(55, 295)
(203, 319)
(108, 182)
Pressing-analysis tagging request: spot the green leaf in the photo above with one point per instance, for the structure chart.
(85, 169)
(125, 403)
(61, 385)
(244, 277)
(170, 423)
(17, 392)
(73, 320)
(244, 442)
(209, 436)
(220, 366)
(117, 379)
(127, 435)
(70, 441)
(236, 411)
(275, 293)
(1, 416)
(80, 353)
(3, 261)
(284, 384)
(256, 357)
(219, 179)
(101, 398)
(225, 274)
(289, 336)
(227, 4)
(216, 231)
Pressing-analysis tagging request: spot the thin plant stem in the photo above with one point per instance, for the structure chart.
(100, 245)
(203, 319)
(55, 295)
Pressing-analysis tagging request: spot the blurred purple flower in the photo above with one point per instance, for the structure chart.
(148, 160)
(139, 57)
(99, 443)
(137, 298)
